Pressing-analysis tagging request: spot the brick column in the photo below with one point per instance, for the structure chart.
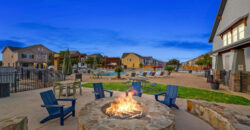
(216, 75)
(234, 82)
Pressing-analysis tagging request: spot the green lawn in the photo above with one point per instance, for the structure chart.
(183, 92)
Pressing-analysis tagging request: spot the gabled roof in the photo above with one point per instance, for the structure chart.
(126, 54)
(20, 48)
(11, 48)
(217, 20)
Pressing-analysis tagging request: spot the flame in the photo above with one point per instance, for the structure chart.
(125, 105)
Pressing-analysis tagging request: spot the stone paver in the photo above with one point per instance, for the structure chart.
(28, 104)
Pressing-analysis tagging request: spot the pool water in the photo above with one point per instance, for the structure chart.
(107, 73)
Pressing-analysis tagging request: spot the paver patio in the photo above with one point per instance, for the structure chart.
(28, 104)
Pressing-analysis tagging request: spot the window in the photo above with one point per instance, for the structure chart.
(24, 56)
(38, 56)
(31, 56)
(38, 48)
(130, 59)
(44, 56)
(235, 35)
(225, 39)
(229, 38)
(241, 31)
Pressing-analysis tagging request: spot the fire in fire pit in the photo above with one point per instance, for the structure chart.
(124, 107)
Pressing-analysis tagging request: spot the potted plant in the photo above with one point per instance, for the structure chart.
(169, 68)
(118, 69)
(215, 84)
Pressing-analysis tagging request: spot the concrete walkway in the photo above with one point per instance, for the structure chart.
(28, 104)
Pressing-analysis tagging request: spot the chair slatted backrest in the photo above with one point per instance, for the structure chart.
(144, 74)
(49, 98)
(153, 73)
(171, 92)
(136, 86)
(98, 88)
(136, 83)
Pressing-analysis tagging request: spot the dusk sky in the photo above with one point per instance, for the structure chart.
(163, 29)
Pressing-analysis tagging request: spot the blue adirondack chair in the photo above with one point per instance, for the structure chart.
(170, 96)
(54, 109)
(99, 91)
(136, 86)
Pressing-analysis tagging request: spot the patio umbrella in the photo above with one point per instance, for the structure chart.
(66, 67)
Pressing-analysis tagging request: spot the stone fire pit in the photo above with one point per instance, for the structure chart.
(155, 117)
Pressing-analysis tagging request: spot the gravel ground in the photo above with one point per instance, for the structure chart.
(182, 79)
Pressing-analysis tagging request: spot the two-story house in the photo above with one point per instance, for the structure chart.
(31, 56)
(132, 60)
(231, 43)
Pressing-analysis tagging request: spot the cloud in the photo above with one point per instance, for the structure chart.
(185, 45)
(71, 37)
(4, 43)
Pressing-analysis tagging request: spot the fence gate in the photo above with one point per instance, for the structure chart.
(24, 79)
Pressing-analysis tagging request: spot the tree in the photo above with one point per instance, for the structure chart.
(95, 64)
(51, 58)
(1, 63)
(67, 67)
(169, 68)
(74, 61)
(141, 65)
(90, 61)
(206, 60)
(118, 69)
(98, 60)
(173, 62)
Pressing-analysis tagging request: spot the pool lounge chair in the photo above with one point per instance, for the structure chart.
(143, 74)
(152, 75)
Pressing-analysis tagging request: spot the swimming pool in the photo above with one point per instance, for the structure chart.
(107, 73)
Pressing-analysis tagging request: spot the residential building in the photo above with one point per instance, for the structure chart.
(76, 55)
(132, 60)
(231, 44)
(31, 56)
(111, 62)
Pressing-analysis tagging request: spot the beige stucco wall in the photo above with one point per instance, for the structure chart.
(233, 10)
(134, 63)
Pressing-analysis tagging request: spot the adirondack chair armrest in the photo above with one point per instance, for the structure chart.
(110, 92)
(96, 93)
(66, 99)
(156, 95)
(52, 106)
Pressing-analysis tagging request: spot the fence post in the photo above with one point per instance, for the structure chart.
(15, 80)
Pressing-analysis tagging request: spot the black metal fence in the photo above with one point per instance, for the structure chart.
(24, 79)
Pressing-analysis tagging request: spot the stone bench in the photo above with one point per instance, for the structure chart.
(14, 123)
(219, 117)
